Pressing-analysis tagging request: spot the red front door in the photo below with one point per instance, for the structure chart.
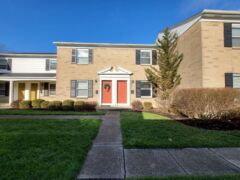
(106, 91)
(121, 91)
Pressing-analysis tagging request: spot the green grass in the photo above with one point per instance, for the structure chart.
(227, 177)
(45, 112)
(146, 130)
(49, 149)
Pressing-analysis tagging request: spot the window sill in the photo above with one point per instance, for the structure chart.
(235, 48)
(82, 97)
(146, 97)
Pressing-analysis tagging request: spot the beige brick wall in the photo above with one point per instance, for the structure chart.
(190, 69)
(217, 59)
(102, 58)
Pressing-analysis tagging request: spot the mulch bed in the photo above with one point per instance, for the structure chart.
(223, 125)
(211, 124)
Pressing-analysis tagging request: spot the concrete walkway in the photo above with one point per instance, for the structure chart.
(51, 117)
(108, 160)
(105, 159)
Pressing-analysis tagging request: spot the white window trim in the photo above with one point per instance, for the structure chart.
(146, 50)
(84, 89)
(50, 64)
(49, 89)
(77, 62)
(147, 89)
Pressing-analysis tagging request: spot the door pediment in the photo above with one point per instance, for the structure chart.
(114, 71)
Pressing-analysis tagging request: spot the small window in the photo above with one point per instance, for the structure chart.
(236, 80)
(236, 35)
(82, 88)
(52, 64)
(3, 64)
(82, 56)
(146, 89)
(52, 88)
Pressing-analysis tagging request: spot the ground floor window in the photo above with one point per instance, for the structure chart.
(52, 88)
(2, 89)
(236, 80)
(146, 89)
(82, 88)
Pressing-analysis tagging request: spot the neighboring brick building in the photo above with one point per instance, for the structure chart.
(113, 74)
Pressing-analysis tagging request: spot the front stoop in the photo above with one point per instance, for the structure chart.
(105, 159)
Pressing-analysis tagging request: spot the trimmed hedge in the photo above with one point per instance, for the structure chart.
(55, 105)
(44, 105)
(79, 105)
(205, 103)
(147, 105)
(25, 104)
(36, 104)
(137, 106)
(67, 105)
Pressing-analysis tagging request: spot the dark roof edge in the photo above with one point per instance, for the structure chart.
(28, 55)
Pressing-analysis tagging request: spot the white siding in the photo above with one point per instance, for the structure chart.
(29, 65)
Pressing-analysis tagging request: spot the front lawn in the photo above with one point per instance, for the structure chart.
(45, 112)
(49, 149)
(147, 130)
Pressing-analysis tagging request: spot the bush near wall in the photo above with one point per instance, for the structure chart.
(206, 103)
(36, 104)
(67, 105)
(25, 104)
(148, 105)
(137, 106)
(55, 105)
(15, 104)
(44, 105)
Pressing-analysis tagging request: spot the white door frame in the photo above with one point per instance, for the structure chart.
(114, 79)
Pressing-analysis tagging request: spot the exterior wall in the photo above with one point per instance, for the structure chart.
(102, 59)
(40, 94)
(190, 45)
(217, 59)
(30, 65)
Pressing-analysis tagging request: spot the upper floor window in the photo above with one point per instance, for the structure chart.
(53, 64)
(145, 56)
(82, 56)
(236, 35)
(82, 88)
(3, 64)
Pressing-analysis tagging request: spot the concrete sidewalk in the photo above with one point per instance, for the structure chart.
(188, 161)
(105, 159)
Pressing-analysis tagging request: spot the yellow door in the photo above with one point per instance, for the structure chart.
(21, 90)
(34, 87)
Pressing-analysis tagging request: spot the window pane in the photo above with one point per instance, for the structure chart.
(3, 64)
(145, 85)
(145, 92)
(82, 93)
(82, 60)
(236, 42)
(236, 80)
(82, 85)
(2, 92)
(145, 54)
(82, 53)
(52, 89)
(53, 64)
(236, 32)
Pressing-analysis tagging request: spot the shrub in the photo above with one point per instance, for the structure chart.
(137, 106)
(205, 103)
(79, 105)
(44, 105)
(36, 104)
(90, 106)
(67, 105)
(15, 104)
(147, 105)
(25, 104)
(55, 105)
